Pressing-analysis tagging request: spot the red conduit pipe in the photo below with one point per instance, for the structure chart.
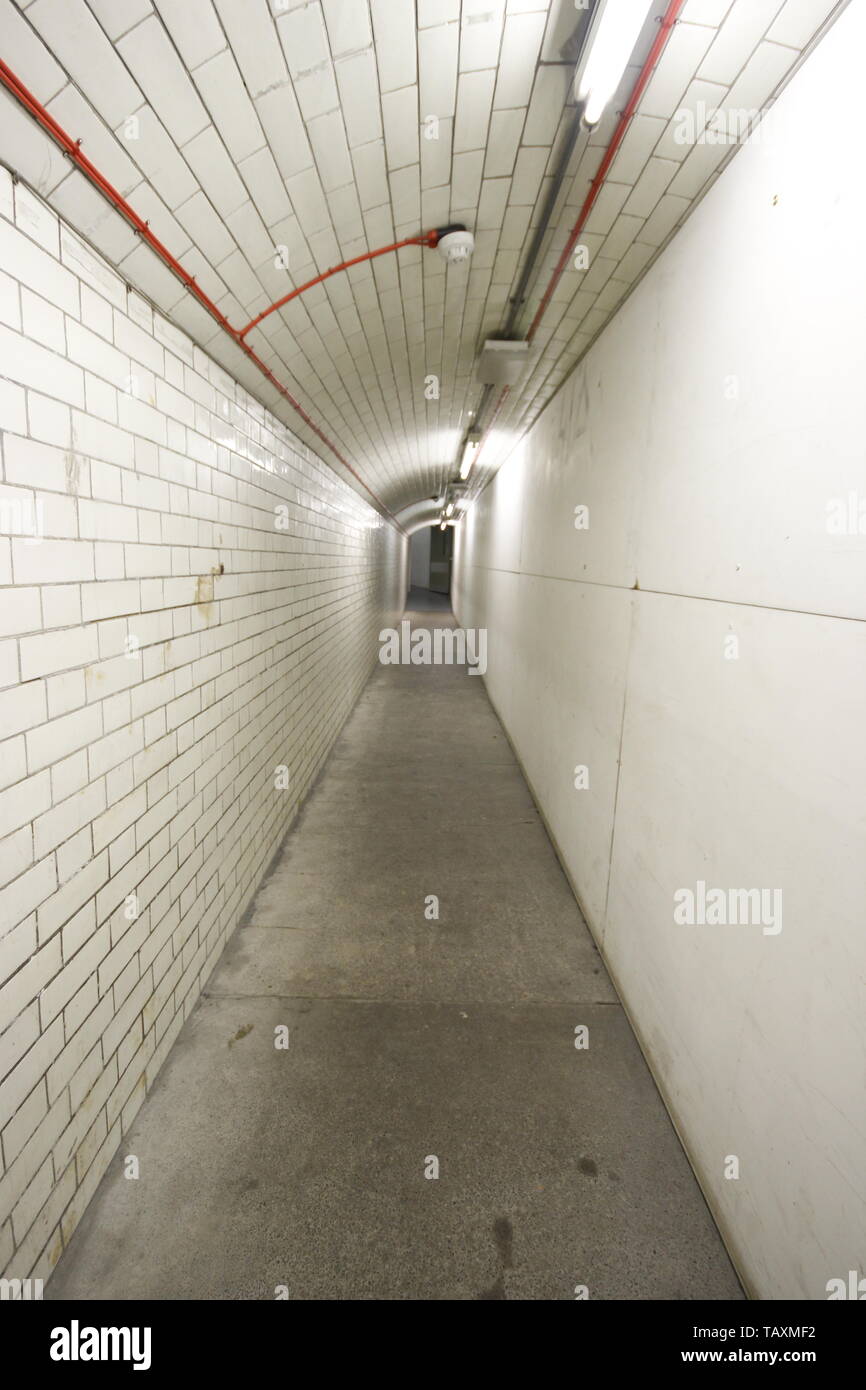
(73, 149)
(425, 239)
(661, 38)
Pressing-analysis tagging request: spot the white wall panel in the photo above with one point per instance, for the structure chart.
(749, 773)
(708, 429)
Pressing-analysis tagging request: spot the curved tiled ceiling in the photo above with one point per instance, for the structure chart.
(249, 133)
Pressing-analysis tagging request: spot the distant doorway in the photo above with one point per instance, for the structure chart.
(430, 553)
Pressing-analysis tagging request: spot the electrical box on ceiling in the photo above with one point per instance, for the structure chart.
(501, 362)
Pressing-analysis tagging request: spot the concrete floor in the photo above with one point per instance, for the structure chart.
(409, 1038)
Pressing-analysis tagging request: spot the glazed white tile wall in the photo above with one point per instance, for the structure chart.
(708, 431)
(168, 639)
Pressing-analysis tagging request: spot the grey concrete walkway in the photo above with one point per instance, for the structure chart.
(409, 1039)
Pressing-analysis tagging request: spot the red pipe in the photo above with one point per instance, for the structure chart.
(661, 38)
(73, 149)
(425, 239)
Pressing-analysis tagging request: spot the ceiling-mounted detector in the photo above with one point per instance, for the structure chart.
(455, 243)
(501, 362)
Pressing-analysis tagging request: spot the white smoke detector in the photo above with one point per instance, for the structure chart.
(456, 246)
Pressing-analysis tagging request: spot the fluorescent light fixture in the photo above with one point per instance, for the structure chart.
(612, 43)
(468, 457)
(449, 509)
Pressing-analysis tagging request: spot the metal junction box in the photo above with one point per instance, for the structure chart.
(501, 362)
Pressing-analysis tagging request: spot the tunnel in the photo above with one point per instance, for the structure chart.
(432, 539)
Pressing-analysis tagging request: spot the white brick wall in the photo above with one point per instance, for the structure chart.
(165, 647)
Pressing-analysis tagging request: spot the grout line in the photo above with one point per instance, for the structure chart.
(670, 593)
(625, 689)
